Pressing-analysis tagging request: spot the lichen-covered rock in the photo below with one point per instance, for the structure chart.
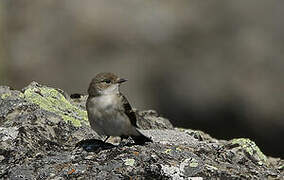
(53, 100)
(44, 134)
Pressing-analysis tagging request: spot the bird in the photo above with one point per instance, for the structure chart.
(109, 112)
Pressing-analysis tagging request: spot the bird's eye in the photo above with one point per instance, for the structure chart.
(107, 81)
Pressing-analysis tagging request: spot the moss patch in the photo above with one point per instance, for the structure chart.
(51, 100)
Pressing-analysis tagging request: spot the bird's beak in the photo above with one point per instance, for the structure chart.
(121, 80)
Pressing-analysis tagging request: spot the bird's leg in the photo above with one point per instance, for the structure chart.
(106, 139)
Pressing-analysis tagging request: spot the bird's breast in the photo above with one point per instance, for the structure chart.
(107, 101)
(106, 117)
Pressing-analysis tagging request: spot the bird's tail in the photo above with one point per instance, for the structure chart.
(141, 139)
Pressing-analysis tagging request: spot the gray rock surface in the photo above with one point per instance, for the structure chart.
(45, 135)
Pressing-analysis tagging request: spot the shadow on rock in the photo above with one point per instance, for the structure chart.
(94, 145)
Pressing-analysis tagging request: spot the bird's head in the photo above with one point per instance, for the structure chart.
(105, 83)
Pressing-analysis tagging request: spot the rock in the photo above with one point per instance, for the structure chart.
(44, 134)
(151, 120)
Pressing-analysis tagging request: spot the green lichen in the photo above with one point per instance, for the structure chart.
(168, 151)
(281, 167)
(10, 95)
(193, 163)
(21, 95)
(178, 149)
(5, 95)
(129, 162)
(210, 167)
(251, 148)
(51, 100)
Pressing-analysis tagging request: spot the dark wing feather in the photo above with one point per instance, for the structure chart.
(128, 110)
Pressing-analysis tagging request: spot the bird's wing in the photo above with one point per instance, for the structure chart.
(128, 110)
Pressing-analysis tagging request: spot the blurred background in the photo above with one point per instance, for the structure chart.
(215, 66)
